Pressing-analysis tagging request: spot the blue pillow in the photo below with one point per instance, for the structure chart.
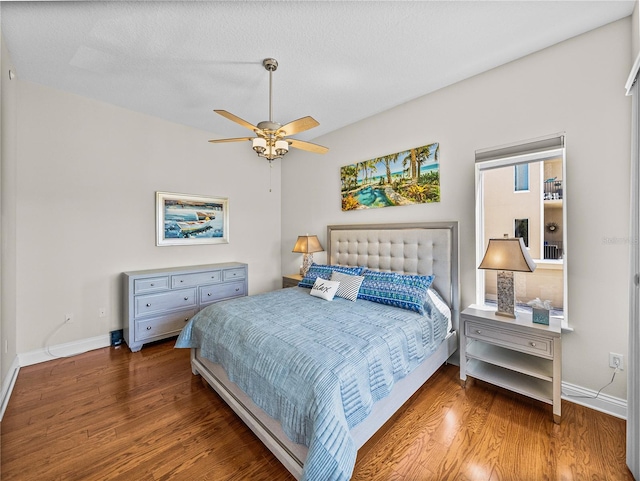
(399, 290)
(324, 272)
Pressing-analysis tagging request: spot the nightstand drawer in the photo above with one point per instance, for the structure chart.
(510, 339)
(291, 280)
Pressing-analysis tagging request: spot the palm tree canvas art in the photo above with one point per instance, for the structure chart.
(403, 178)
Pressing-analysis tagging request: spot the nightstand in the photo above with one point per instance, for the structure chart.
(515, 354)
(291, 280)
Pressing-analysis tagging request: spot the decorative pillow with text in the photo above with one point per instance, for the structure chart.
(324, 289)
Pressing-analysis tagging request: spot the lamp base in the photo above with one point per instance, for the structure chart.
(506, 294)
(307, 260)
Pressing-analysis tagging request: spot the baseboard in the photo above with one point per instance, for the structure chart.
(603, 402)
(64, 350)
(7, 385)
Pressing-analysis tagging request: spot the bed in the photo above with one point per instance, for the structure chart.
(421, 249)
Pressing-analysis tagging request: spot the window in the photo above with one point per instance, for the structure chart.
(521, 177)
(521, 229)
(511, 199)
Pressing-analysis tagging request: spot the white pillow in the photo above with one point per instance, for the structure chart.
(440, 305)
(349, 285)
(324, 289)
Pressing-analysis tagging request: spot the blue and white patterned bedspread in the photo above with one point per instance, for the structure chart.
(316, 366)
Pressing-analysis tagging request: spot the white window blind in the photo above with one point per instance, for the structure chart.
(550, 144)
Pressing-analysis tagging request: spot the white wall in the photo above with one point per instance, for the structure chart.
(575, 87)
(635, 32)
(86, 181)
(8, 167)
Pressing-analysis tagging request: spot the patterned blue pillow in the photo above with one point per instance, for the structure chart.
(324, 272)
(399, 290)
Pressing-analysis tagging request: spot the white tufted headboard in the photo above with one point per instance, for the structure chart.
(421, 248)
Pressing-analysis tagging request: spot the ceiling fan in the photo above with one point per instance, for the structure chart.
(272, 140)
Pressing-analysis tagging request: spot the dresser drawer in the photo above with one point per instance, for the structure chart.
(230, 274)
(150, 284)
(164, 326)
(518, 341)
(166, 301)
(214, 293)
(197, 278)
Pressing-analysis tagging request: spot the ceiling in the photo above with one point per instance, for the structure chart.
(339, 62)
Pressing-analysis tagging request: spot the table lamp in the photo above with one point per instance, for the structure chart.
(307, 245)
(506, 256)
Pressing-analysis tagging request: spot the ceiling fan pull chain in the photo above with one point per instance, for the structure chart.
(270, 168)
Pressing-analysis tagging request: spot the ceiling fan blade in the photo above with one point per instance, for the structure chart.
(236, 119)
(300, 125)
(237, 139)
(308, 146)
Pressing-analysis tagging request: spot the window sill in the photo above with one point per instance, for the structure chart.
(564, 325)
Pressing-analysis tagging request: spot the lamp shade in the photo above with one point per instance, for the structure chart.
(508, 254)
(307, 244)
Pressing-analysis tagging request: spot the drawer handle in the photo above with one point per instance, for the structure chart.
(237, 289)
(533, 344)
(148, 304)
(478, 331)
(186, 298)
(148, 328)
(181, 280)
(209, 294)
(152, 284)
(186, 319)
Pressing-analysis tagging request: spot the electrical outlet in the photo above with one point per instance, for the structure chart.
(616, 360)
(68, 318)
(102, 311)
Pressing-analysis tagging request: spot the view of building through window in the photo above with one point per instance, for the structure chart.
(526, 200)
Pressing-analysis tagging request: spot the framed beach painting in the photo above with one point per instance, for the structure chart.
(187, 219)
(404, 178)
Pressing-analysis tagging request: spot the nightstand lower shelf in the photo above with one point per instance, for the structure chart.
(511, 380)
(512, 360)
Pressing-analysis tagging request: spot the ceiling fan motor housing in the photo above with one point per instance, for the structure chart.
(269, 125)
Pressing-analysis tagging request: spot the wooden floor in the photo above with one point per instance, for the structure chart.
(115, 415)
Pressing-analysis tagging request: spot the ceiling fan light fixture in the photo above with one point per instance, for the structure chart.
(270, 142)
(282, 147)
(259, 145)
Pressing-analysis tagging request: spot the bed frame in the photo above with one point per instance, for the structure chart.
(421, 248)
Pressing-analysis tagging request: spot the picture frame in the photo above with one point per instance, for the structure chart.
(191, 219)
(402, 178)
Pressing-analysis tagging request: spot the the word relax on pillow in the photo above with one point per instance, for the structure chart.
(324, 289)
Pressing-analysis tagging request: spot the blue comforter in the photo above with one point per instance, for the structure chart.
(316, 366)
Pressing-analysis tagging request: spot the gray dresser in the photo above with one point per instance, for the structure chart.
(159, 302)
